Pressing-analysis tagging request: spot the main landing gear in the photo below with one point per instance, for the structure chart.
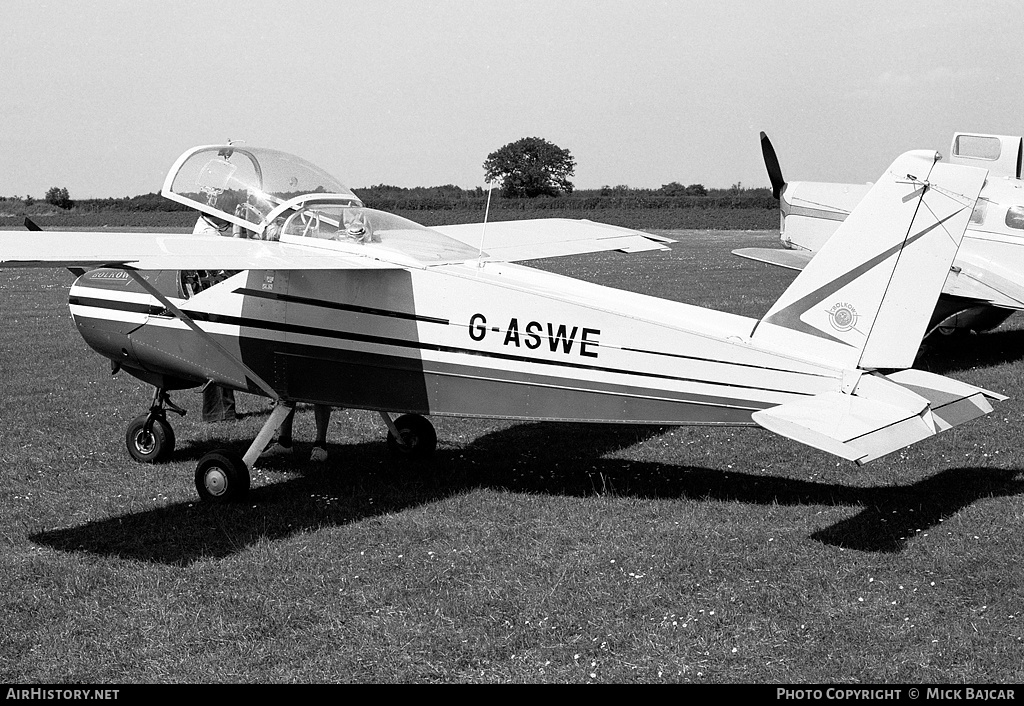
(223, 475)
(150, 437)
(410, 435)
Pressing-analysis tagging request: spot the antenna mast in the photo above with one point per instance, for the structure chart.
(483, 230)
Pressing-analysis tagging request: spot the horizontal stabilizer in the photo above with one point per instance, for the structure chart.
(884, 413)
(952, 402)
(530, 239)
(790, 259)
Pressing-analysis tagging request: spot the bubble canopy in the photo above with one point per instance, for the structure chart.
(274, 195)
(241, 185)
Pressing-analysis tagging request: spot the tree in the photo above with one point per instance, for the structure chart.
(59, 197)
(531, 167)
(674, 188)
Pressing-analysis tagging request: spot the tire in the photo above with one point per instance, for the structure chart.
(418, 437)
(153, 447)
(221, 477)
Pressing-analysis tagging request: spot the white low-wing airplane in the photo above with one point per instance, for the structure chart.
(985, 284)
(338, 304)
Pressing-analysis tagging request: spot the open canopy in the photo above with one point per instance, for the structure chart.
(242, 185)
(274, 195)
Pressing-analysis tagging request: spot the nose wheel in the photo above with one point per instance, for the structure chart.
(150, 437)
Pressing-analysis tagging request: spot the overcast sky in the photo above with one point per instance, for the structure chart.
(101, 97)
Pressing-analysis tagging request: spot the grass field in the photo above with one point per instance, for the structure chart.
(643, 218)
(522, 552)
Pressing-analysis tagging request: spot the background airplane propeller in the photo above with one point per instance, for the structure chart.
(33, 226)
(771, 162)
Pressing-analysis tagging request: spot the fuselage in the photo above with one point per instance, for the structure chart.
(498, 340)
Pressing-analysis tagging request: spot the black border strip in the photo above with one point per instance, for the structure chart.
(339, 306)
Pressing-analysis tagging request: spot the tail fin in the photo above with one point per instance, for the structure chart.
(867, 296)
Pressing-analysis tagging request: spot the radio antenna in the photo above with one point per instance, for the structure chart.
(483, 230)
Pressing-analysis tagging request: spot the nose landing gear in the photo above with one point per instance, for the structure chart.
(150, 437)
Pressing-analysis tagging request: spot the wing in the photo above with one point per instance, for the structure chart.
(985, 280)
(163, 251)
(511, 241)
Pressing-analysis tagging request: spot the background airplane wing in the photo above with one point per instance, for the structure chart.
(790, 259)
(165, 251)
(511, 241)
(985, 280)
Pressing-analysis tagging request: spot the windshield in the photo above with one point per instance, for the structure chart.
(347, 223)
(243, 184)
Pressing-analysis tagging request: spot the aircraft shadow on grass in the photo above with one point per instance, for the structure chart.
(361, 482)
(944, 355)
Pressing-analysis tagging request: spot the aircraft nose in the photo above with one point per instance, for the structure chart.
(105, 315)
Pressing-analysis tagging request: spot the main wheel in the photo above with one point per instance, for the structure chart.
(418, 438)
(152, 446)
(950, 331)
(221, 477)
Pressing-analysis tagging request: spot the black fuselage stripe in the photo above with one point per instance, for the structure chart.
(699, 359)
(447, 322)
(116, 305)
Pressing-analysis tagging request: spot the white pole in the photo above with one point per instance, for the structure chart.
(483, 230)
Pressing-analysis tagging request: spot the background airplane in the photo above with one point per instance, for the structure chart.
(985, 284)
(320, 300)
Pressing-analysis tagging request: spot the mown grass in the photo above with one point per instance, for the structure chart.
(522, 552)
(629, 217)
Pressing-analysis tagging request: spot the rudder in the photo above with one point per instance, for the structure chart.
(867, 296)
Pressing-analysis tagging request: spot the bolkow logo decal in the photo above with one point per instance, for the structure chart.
(842, 316)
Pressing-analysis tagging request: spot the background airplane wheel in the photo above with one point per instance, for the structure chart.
(222, 476)
(152, 446)
(418, 437)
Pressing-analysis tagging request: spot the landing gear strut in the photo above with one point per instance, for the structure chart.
(149, 437)
(223, 476)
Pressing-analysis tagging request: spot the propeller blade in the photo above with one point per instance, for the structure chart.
(33, 226)
(771, 163)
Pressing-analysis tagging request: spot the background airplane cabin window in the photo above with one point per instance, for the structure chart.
(1015, 217)
(978, 146)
